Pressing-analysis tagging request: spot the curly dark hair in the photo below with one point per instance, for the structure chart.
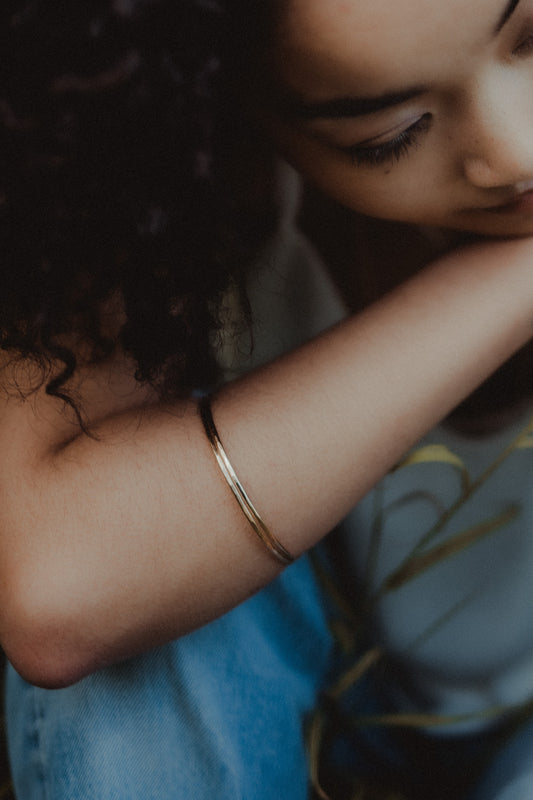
(125, 172)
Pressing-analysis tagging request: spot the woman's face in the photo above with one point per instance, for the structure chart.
(413, 110)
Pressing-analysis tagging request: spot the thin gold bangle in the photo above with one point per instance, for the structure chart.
(269, 540)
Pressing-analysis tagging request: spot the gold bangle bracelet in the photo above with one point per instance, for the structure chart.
(269, 540)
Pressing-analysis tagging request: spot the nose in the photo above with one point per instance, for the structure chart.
(496, 167)
(491, 173)
(499, 149)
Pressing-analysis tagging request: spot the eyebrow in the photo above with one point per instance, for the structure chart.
(506, 16)
(347, 107)
(353, 107)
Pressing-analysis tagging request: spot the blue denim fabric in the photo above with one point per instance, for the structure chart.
(510, 776)
(216, 714)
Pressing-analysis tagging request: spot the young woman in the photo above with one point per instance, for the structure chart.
(127, 188)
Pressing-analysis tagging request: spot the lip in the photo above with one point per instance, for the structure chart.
(522, 201)
(520, 204)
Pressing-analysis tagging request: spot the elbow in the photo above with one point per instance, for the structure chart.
(43, 639)
(44, 667)
(42, 656)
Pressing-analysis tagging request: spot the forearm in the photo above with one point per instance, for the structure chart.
(127, 541)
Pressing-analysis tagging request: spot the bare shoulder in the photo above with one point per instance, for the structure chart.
(33, 422)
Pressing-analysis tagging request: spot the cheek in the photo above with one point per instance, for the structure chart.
(330, 172)
(380, 192)
(394, 191)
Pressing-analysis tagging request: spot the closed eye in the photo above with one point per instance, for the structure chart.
(375, 155)
(525, 47)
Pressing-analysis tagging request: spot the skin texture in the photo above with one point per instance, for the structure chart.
(116, 543)
(475, 149)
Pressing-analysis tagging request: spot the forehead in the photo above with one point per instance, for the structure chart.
(384, 40)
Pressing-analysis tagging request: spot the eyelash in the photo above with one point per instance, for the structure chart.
(525, 47)
(400, 146)
(393, 150)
